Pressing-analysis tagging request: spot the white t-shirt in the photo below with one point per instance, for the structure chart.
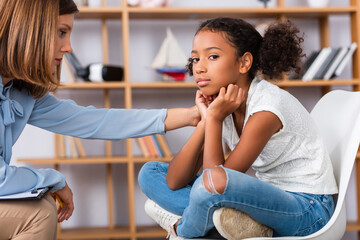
(295, 158)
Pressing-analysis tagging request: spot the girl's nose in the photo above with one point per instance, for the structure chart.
(199, 67)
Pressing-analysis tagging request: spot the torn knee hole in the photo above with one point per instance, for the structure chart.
(215, 180)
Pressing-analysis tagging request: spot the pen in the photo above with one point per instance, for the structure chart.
(59, 200)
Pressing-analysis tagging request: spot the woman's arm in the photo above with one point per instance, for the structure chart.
(68, 118)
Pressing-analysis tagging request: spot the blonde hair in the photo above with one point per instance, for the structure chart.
(27, 36)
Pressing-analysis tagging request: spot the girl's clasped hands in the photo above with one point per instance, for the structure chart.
(220, 105)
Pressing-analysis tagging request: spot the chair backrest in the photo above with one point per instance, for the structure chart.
(337, 116)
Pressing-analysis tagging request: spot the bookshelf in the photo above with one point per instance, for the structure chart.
(125, 14)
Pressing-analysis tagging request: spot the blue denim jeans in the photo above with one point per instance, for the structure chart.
(287, 213)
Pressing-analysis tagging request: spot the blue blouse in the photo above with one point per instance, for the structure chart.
(17, 108)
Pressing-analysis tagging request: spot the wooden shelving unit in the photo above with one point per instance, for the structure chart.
(125, 14)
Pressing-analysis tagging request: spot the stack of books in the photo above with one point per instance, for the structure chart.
(327, 63)
(154, 146)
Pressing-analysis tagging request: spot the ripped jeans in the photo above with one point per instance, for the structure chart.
(287, 213)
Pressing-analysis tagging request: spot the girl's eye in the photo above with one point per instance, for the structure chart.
(213, 57)
(194, 60)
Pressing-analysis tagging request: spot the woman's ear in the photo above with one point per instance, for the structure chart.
(245, 62)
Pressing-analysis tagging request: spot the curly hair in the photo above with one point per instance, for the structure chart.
(277, 52)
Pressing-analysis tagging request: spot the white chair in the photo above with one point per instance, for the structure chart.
(337, 115)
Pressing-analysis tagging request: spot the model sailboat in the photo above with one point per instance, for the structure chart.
(170, 60)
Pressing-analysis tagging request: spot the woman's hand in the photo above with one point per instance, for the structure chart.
(226, 102)
(66, 196)
(202, 103)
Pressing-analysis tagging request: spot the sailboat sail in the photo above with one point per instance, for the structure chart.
(170, 54)
(170, 59)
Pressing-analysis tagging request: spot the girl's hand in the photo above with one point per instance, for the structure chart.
(66, 196)
(227, 102)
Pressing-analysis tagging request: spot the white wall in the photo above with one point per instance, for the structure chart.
(88, 181)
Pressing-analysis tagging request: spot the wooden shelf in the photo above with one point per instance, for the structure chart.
(150, 232)
(116, 232)
(127, 14)
(170, 84)
(318, 83)
(94, 233)
(201, 13)
(93, 85)
(141, 232)
(187, 84)
(280, 83)
(100, 13)
(92, 160)
(353, 226)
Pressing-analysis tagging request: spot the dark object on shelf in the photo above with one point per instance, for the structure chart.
(96, 72)
(265, 2)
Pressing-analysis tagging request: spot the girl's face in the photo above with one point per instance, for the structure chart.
(215, 63)
(62, 42)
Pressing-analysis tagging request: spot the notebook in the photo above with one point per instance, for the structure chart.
(34, 194)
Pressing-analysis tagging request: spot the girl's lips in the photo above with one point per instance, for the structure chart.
(202, 82)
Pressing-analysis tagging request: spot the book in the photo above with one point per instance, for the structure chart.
(326, 64)
(151, 146)
(159, 152)
(150, 153)
(335, 63)
(142, 146)
(73, 150)
(306, 64)
(79, 147)
(310, 60)
(164, 146)
(315, 66)
(346, 59)
(36, 193)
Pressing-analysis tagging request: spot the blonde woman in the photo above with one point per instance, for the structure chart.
(34, 36)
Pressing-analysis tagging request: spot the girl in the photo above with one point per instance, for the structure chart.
(34, 36)
(265, 128)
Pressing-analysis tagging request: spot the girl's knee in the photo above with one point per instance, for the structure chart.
(148, 171)
(215, 180)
